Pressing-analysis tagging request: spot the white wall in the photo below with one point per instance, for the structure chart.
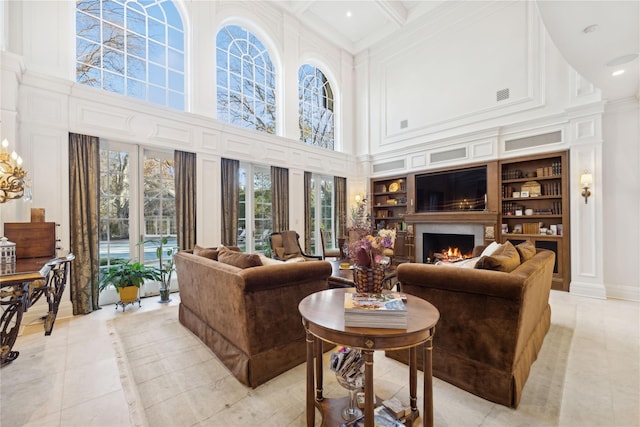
(441, 76)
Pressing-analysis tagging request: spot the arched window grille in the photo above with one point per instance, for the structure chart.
(315, 107)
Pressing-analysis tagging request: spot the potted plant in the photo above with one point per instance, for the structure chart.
(166, 266)
(127, 277)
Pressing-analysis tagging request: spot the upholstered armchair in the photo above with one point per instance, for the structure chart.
(286, 245)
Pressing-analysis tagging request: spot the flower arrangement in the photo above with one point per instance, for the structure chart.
(369, 251)
(367, 248)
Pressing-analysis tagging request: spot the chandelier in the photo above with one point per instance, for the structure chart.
(12, 176)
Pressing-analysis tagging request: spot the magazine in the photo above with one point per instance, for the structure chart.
(374, 311)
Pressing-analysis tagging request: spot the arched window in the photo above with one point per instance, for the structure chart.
(246, 81)
(315, 105)
(134, 48)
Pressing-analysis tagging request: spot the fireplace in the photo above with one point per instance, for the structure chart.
(446, 246)
(475, 230)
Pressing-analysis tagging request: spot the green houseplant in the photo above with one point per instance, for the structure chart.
(127, 277)
(165, 254)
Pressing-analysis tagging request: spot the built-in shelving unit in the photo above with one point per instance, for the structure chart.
(389, 202)
(535, 206)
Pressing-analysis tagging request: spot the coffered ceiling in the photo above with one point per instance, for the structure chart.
(358, 25)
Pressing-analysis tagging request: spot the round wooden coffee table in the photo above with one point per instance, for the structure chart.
(323, 319)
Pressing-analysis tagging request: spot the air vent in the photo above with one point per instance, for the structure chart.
(404, 124)
(443, 156)
(533, 141)
(383, 167)
(502, 94)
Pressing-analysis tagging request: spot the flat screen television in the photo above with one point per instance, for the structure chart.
(459, 190)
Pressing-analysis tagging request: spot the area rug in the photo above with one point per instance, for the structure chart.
(171, 379)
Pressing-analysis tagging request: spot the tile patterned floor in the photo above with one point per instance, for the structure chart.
(63, 380)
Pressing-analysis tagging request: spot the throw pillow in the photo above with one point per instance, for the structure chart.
(526, 250)
(505, 259)
(238, 259)
(211, 253)
(490, 249)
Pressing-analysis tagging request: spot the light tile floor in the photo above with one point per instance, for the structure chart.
(66, 379)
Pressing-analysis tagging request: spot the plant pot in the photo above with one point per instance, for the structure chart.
(368, 280)
(129, 294)
(164, 295)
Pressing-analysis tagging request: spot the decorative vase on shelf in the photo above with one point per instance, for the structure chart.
(369, 279)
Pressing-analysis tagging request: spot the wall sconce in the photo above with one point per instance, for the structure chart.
(12, 175)
(586, 179)
(358, 198)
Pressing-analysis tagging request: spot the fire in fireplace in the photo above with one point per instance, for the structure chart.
(446, 247)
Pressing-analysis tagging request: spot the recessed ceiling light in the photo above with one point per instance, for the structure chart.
(348, 14)
(617, 73)
(622, 60)
(590, 28)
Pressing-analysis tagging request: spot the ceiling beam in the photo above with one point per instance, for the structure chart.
(394, 10)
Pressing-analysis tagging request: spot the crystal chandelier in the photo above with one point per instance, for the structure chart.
(12, 176)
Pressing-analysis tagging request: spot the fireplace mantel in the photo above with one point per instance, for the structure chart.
(476, 217)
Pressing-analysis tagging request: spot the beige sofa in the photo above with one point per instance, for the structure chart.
(492, 323)
(248, 316)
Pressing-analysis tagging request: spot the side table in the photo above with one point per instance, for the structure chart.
(323, 319)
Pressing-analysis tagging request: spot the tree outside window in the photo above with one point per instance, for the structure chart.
(132, 48)
(246, 81)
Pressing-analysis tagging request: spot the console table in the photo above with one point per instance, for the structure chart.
(21, 288)
(323, 319)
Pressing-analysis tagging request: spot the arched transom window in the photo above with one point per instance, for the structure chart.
(246, 81)
(315, 105)
(134, 48)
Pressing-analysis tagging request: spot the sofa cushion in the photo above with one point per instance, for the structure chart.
(505, 258)
(211, 253)
(490, 249)
(238, 259)
(526, 250)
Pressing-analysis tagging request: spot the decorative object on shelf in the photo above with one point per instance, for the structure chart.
(12, 176)
(393, 187)
(166, 266)
(348, 364)
(586, 179)
(532, 188)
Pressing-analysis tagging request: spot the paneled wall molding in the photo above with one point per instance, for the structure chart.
(530, 96)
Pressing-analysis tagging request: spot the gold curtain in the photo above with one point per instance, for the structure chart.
(84, 173)
(307, 212)
(185, 181)
(280, 198)
(230, 201)
(340, 211)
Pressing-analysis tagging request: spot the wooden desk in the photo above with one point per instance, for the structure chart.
(20, 288)
(323, 319)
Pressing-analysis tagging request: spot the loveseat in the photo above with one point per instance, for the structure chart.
(492, 323)
(247, 316)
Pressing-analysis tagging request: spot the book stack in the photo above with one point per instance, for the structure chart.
(364, 310)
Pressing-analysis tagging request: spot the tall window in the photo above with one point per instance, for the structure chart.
(322, 212)
(137, 202)
(134, 48)
(254, 218)
(315, 105)
(246, 82)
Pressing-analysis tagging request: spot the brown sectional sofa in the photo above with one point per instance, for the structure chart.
(492, 323)
(248, 317)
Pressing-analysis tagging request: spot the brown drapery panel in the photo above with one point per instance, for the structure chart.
(230, 201)
(185, 182)
(307, 212)
(84, 173)
(340, 211)
(279, 198)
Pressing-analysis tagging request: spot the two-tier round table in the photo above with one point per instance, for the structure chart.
(323, 319)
